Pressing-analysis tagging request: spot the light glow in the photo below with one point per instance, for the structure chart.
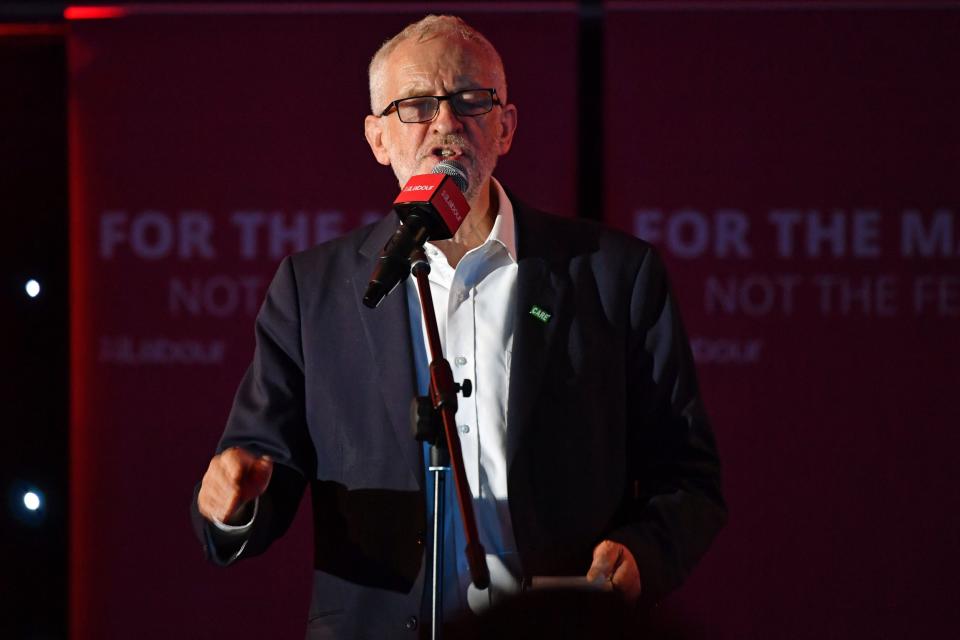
(32, 288)
(93, 13)
(31, 501)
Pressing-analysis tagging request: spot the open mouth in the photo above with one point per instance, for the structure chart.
(445, 153)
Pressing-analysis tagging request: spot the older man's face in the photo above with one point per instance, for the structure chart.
(440, 66)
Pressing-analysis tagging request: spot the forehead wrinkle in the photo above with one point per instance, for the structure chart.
(415, 80)
(419, 87)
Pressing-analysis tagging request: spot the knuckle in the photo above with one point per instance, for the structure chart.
(234, 474)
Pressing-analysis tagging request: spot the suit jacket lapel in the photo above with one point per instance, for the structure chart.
(387, 330)
(540, 284)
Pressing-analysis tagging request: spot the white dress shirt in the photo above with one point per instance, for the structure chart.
(474, 304)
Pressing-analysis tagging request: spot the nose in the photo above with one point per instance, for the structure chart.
(447, 120)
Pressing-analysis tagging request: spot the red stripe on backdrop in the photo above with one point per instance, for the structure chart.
(39, 29)
(313, 8)
(81, 366)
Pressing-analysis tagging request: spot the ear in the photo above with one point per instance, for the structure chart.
(508, 125)
(373, 131)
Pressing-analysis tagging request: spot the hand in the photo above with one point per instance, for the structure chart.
(614, 562)
(233, 479)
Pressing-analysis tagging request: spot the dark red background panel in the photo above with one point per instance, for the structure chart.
(203, 149)
(799, 171)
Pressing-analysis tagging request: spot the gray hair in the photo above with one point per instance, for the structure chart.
(425, 29)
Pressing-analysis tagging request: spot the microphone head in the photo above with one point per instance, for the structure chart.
(455, 170)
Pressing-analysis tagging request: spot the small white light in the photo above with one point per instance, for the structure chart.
(31, 501)
(33, 288)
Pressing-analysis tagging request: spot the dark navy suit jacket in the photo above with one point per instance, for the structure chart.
(606, 432)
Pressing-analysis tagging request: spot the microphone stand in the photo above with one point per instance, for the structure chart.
(443, 400)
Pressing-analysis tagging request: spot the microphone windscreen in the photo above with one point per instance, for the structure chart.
(455, 170)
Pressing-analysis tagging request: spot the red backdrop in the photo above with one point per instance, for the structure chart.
(798, 170)
(203, 149)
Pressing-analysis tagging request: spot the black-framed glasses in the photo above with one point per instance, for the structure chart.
(469, 102)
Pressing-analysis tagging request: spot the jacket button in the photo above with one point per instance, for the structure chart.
(420, 538)
(411, 623)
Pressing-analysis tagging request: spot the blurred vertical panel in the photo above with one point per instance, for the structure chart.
(798, 168)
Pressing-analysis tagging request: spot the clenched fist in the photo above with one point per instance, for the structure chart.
(233, 479)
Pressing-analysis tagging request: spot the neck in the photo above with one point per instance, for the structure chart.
(475, 228)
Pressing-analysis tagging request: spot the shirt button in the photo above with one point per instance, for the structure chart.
(411, 623)
(464, 428)
(460, 360)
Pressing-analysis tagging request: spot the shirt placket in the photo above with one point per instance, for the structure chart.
(461, 345)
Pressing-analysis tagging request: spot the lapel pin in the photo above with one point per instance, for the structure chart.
(540, 314)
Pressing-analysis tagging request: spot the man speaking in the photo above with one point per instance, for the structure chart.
(585, 442)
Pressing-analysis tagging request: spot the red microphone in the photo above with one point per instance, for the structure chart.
(431, 207)
(438, 199)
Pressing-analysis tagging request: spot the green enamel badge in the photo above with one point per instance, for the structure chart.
(539, 314)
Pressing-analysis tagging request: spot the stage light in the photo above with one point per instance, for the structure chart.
(31, 500)
(33, 288)
(27, 504)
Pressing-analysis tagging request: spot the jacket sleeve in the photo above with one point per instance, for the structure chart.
(268, 417)
(674, 505)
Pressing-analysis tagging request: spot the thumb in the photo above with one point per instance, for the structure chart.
(257, 477)
(605, 556)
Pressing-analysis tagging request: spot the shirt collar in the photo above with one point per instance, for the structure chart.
(504, 230)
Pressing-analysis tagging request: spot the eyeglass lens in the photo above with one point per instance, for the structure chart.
(464, 103)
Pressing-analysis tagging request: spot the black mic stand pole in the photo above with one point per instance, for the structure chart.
(439, 466)
(443, 399)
